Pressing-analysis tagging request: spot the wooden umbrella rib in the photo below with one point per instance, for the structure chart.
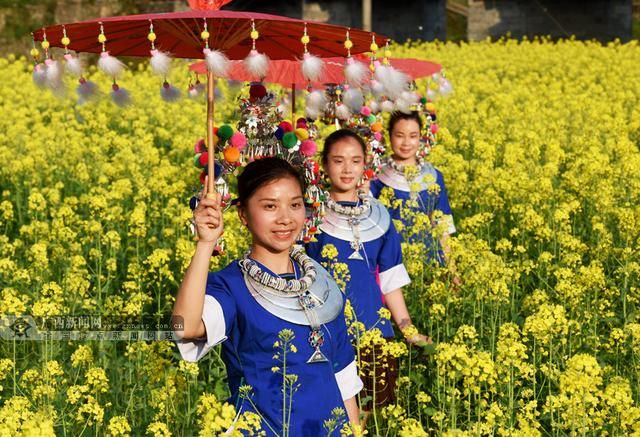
(233, 38)
(188, 37)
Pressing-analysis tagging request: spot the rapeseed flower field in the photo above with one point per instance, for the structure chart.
(539, 145)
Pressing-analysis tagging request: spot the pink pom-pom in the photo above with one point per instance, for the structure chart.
(377, 136)
(366, 111)
(238, 140)
(308, 148)
(434, 128)
(200, 146)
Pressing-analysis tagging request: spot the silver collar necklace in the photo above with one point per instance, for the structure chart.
(310, 300)
(354, 215)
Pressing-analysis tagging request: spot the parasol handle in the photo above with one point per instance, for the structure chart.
(211, 147)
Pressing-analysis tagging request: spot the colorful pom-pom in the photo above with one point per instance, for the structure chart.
(301, 123)
(308, 148)
(302, 133)
(376, 127)
(204, 159)
(378, 136)
(224, 132)
(200, 146)
(238, 140)
(286, 126)
(371, 119)
(203, 175)
(369, 173)
(196, 160)
(289, 140)
(257, 91)
(279, 133)
(231, 154)
(434, 128)
(430, 107)
(366, 111)
(193, 202)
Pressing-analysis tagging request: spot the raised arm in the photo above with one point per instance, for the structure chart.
(190, 299)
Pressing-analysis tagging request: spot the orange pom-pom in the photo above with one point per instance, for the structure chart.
(231, 154)
(376, 127)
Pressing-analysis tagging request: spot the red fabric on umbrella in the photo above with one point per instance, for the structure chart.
(415, 68)
(179, 34)
(286, 72)
(282, 72)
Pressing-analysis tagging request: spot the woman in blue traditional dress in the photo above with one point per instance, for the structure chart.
(418, 187)
(366, 240)
(274, 287)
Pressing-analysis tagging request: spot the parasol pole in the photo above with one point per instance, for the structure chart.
(210, 137)
(293, 102)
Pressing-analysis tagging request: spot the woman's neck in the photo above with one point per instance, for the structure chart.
(344, 196)
(276, 262)
(408, 161)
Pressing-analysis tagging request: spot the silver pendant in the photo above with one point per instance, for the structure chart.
(316, 339)
(355, 245)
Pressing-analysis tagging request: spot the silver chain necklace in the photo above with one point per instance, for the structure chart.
(353, 214)
(401, 168)
(277, 285)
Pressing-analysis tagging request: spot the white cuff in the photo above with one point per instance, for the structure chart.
(213, 319)
(394, 278)
(348, 381)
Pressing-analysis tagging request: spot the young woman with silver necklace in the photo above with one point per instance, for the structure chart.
(417, 183)
(276, 286)
(362, 231)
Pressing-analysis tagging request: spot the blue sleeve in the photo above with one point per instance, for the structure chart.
(443, 198)
(391, 252)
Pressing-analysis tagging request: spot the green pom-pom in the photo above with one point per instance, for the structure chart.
(423, 100)
(196, 160)
(225, 132)
(371, 119)
(289, 140)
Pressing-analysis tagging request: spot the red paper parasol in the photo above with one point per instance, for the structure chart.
(179, 34)
(186, 34)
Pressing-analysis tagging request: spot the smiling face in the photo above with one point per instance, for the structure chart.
(275, 214)
(405, 141)
(345, 166)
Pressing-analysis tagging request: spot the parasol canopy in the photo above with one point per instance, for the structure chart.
(288, 73)
(283, 72)
(179, 33)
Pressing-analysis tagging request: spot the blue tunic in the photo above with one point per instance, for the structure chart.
(428, 202)
(250, 332)
(383, 257)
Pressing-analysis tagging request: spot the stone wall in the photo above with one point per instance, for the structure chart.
(604, 20)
